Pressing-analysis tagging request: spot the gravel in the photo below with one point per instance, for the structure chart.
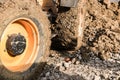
(79, 69)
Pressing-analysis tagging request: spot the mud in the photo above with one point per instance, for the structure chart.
(102, 33)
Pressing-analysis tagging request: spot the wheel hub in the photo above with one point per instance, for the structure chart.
(15, 44)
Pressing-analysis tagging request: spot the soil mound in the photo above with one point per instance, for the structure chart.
(102, 33)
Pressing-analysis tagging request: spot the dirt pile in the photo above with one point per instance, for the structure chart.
(102, 33)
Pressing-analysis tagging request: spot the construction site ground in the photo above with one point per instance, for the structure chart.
(99, 56)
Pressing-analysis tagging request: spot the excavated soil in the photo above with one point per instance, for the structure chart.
(99, 56)
(102, 33)
(66, 27)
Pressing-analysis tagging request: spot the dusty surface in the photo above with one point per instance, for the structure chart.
(99, 57)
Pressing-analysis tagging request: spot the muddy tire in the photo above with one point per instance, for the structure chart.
(35, 25)
(69, 27)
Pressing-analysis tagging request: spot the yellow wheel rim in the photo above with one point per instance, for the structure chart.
(22, 62)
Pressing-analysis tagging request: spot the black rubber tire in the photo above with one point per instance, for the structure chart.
(13, 9)
(68, 22)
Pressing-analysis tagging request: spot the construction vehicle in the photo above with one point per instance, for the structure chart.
(26, 33)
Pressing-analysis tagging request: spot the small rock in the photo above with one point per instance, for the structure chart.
(66, 64)
(102, 76)
(106, 76)
(118, 78)
(52, 55)
(118, 62)
(104, 55)
(62, 68)
(107, 2)
(73, 60)
(96, 78)
(47, 74)
(67, 59)
(79, 56)
(57, 75)
(59, 64)
(77, 62)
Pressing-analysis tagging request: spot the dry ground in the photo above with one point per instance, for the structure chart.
(99, 57)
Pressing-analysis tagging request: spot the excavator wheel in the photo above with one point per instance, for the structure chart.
(69, 27)
(24, 39)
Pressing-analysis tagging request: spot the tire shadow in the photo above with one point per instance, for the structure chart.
(41, 73)
(52, 73)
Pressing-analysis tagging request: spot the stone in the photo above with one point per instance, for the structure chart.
(47, 74)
